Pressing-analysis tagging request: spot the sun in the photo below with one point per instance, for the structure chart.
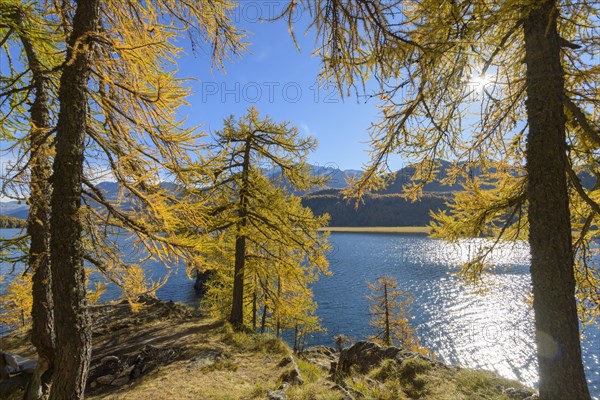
(480, 82)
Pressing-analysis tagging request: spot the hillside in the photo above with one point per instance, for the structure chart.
(14, 209)
(376, 209)
(11, 222)
(384, 208)
(163, 352)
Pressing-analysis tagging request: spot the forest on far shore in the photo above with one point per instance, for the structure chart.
(376, 209)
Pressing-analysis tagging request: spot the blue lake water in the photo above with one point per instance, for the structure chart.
(490, 328)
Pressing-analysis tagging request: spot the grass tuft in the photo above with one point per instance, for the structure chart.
(254, 342)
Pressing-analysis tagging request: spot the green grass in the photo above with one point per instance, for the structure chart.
(415, 378)
(253, 342)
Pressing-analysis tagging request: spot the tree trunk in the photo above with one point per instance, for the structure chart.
(73, 336)
(387, 336)
(254, 304)
(38, 226)
(237, 308)
(278, 309)
(557, 326)
(263, 320)
(296, 338)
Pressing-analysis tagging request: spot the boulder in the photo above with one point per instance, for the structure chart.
(124, 380)
(365, 356)
(13, 364)
(321, 356)
(206, 358)
(105, 379)
(277, 395)
(202, 278)
(109, 359)
(292, 376)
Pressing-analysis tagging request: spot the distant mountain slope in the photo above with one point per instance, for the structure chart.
(377, 209)
(384, 208)
(404, 175)
(14, 209)
(336, 177)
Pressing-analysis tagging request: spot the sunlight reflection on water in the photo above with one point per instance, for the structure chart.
(492, 329)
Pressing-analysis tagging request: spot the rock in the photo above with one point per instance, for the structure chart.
(364, 355)
(285, 361)
(292, 376)
(120, 381)
(205, 358)
(126, 372)
(321, 356)
(18, 363)
(346, 393)
(28, 366)
(93, 384)
(12, 360)
(105, 379)
(148, 300)
(367, 355)
(280, 393)
(12, 365)
(109, 359)
(277, 395)
(202, 278)
(517, 394)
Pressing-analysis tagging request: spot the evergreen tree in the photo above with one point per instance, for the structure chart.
(133, 92)
(390, 313)
(276, 240)
(434, 60)
(23, 24)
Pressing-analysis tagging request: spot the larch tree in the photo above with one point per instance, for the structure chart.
(272, 233)
(390, 313)
(115, 83)
(73, 336)
(521, 79)
(23, 24)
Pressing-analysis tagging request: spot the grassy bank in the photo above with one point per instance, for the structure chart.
(379, 229)
(188, 357)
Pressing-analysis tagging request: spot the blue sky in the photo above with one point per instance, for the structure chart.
(280, 81)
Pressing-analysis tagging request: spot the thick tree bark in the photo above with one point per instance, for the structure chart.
(38, 227)
(557, 326)
(73, 337)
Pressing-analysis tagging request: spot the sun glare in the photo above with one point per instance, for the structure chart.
(480, 82)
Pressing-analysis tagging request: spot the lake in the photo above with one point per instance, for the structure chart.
(489, 327)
